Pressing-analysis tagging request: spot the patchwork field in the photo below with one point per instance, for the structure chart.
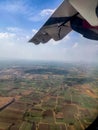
(48, 97)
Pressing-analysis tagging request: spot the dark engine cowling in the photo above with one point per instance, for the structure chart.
(83, 27)
(97, 11)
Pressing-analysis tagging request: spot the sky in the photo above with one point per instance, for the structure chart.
(21, 19)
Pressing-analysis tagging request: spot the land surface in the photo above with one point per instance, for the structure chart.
(48, 96)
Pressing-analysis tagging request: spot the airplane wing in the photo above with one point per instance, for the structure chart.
(88, 9)
(57, 26)
(62, 21)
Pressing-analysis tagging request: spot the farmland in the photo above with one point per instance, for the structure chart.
(56, 96)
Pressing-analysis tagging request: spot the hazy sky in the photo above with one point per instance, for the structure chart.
(19, 21)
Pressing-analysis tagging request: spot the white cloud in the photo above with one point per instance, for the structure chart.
(14, 29)
(54, 43)
(12, 7)
(17, 34)
(42, 15)
(75, 45)
(22, 7)
(34, 31)
(46, 12)
(17, 7)
(6, 35)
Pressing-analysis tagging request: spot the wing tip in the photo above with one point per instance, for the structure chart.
(33, 41)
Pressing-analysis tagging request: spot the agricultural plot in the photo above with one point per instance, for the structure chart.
(51, 97)
(51, 127)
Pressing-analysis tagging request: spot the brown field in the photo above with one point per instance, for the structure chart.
(69, 112)
(19, 106)
(47, 116)
(26, 92)
(71, 127)
(4, 125)
(86, 89)
(5, 100)
(45, 126)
